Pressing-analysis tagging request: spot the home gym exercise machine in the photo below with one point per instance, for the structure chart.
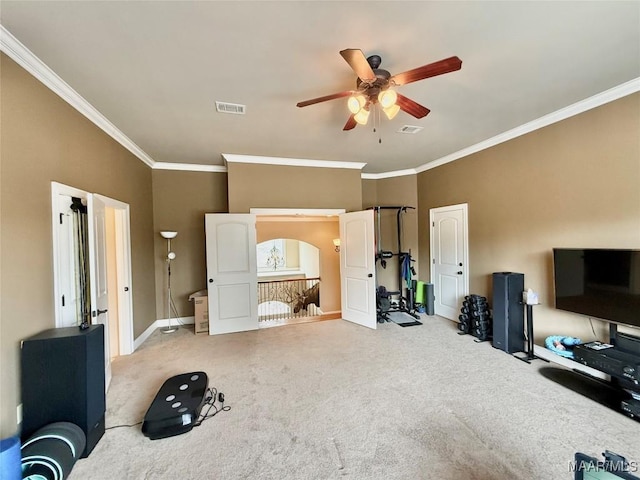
(394, 301)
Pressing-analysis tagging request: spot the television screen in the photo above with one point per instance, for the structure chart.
(601, 283)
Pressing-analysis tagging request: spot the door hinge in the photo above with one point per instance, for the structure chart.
(433, 224)
(63, 300)
(61, 215)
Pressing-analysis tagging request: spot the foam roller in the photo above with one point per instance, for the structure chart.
(51, 452)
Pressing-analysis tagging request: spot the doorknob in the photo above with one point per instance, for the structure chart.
(126, 289)
(211, 280)
(459, 272)
(99, 312)
(460, 264)
(370, 275)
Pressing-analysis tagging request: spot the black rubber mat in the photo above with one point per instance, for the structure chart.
(408, 324)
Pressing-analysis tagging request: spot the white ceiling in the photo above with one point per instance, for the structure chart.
(155, 70)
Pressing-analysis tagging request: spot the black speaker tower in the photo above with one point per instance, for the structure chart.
(508, 311)
(63, 381)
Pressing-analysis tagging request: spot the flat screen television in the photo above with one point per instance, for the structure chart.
(601, 283)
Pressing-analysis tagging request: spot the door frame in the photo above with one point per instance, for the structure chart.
(298, 211)
(302, 212)
(123, 272)
(123, 261)
(465, 248)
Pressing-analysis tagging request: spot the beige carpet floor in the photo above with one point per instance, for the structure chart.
(331, 400)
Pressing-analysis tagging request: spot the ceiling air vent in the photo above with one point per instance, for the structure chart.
(410, 129)
(224, 107)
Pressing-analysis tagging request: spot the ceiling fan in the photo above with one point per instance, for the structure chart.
(374, 86)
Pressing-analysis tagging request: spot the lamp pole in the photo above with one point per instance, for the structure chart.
(170, 256)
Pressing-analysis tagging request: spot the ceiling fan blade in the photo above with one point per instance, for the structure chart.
(351, 123)
(447, 65)
(324, 99)
(411, 107)
(358, 62)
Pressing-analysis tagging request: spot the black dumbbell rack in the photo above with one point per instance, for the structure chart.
(475, 318)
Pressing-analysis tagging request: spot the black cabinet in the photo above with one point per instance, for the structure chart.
(62, 380)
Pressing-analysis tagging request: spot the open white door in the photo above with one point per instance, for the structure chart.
(357, 268)
(98, 274)
(449, 258)
(232, 274)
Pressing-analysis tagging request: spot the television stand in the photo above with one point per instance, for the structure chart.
(593, 388)
(598, 376)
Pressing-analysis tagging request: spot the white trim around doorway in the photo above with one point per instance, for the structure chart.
(123, 260)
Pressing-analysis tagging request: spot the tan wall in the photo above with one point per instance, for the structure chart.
(397, 191)
(277, 186)
(571, 184)
(44, 140)
(320, 235)
(369, 193)
(180, 201)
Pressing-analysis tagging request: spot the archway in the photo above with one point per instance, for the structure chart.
(288, 281)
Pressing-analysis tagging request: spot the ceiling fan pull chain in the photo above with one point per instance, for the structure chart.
(380, 123)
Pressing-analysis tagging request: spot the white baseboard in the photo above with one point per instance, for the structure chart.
(164, 322)
(161, 322)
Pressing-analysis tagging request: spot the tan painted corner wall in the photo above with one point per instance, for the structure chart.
(43, 139)
(575, 183)
(278, 186)
(369, 193)
(180, 201)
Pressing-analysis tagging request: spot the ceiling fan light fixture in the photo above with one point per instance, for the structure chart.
(362, 116)
(391, 111)
(387, 98)
(356, 103)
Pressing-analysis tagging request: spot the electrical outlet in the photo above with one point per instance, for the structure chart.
(19, 413)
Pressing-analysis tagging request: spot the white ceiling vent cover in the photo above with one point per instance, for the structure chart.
(235, 108)
(410, 129)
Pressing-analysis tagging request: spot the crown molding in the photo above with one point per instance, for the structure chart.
(395, 173)
(294, 162)
(36, 67)
(189, 167)
(13, 48)
(615, 93)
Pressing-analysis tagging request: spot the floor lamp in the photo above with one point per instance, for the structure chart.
(170, 256)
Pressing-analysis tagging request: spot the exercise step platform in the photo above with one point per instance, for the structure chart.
(176, 407)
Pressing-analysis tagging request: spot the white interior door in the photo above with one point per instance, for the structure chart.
(357, 268)
(449, 259)
(67, 308)
(232, 274)
(98, 273)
